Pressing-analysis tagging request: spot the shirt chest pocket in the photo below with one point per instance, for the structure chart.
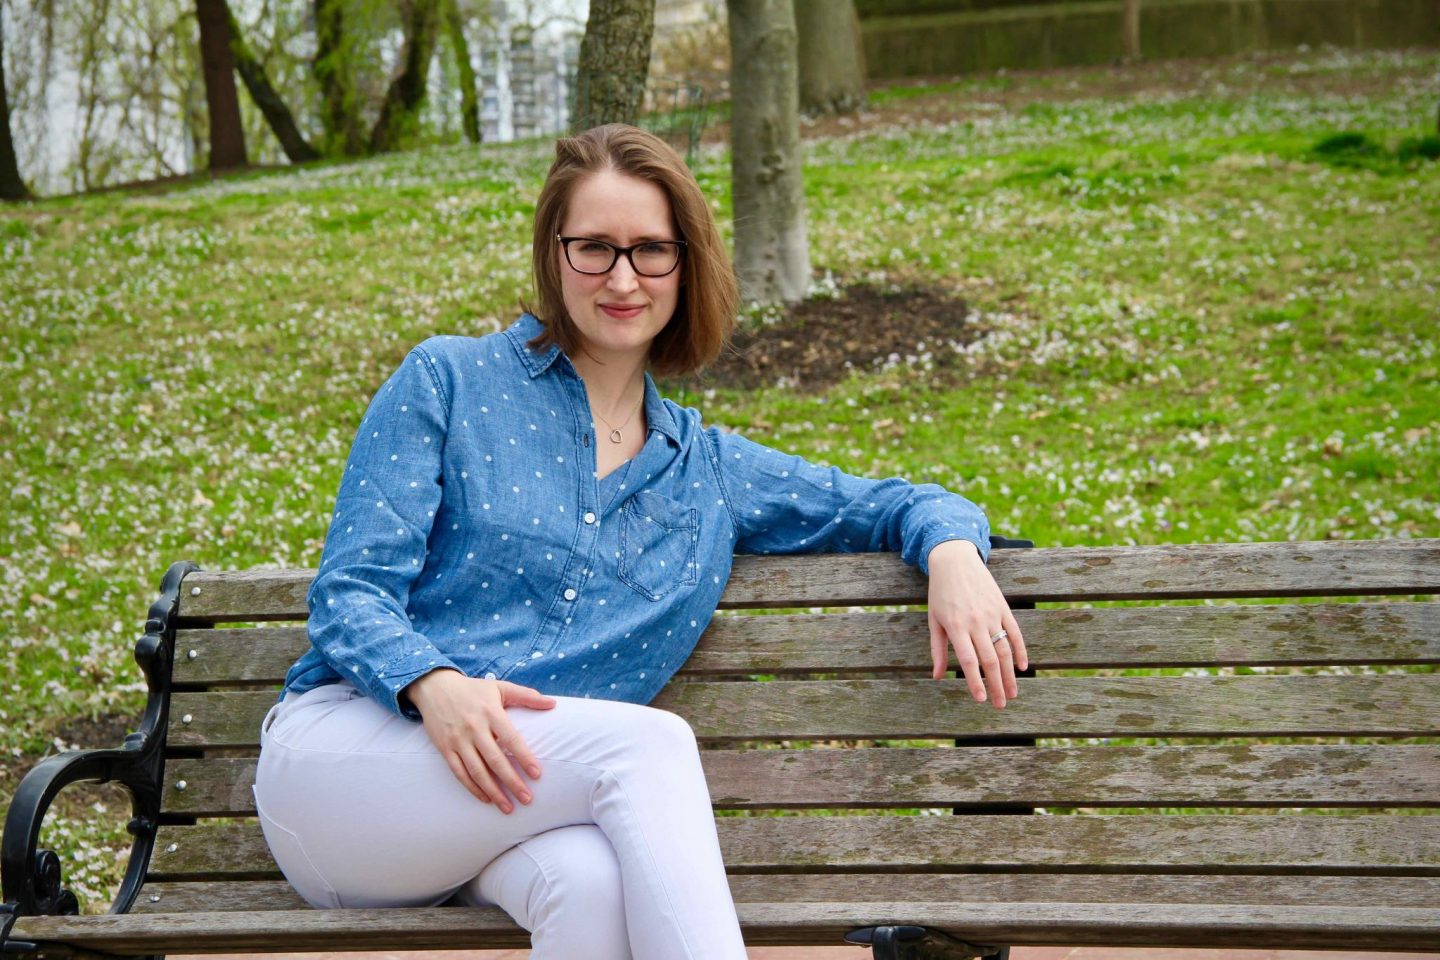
(657, 545)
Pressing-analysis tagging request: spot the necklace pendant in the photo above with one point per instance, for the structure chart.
(615, 436)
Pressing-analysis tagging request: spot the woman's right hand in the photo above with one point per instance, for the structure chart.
(465, 719)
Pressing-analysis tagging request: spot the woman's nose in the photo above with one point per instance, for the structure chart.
(622, 276)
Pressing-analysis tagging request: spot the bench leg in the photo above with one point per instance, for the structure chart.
(921, 943)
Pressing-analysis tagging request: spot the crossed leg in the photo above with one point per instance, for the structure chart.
(361, 811)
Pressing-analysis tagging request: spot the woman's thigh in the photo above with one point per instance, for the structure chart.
(368, 814)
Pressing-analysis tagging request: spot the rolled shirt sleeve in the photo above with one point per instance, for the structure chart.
(781, 503)
(376, 546)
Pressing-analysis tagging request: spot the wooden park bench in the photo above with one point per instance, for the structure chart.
(973, 862)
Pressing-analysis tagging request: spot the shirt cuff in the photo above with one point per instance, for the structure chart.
(397, 674)
(934, 540)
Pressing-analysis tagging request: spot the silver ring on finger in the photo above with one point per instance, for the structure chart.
(1003, 634)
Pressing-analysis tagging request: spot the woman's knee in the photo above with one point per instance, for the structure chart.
(674, 729)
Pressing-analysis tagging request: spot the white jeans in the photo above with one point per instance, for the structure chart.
(616, 857)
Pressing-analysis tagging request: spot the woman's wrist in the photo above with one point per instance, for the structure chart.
(417, 690)
(953, 548)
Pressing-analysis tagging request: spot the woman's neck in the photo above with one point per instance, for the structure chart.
(614, 387)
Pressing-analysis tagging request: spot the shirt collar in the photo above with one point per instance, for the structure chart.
(521, 332)
(528, 327)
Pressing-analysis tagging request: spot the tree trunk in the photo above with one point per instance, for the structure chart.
(11, 186)
(276, 113)
(1132, 30)
(832, 69)
(772, 254)
(333, 73)
(469, 102)
(614, 62)
(227, 136)
(400, 109)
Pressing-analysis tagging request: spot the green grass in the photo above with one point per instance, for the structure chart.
(1208, 315)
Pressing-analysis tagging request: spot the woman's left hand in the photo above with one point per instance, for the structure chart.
(966, 610)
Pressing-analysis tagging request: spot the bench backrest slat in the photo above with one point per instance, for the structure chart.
(1253, 634)
(1297, 775)
(1206, 844)
(1371, 706)
(1316, 568)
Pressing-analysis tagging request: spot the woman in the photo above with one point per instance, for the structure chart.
(526, 545)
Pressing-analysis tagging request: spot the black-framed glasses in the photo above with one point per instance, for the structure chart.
(653, 258)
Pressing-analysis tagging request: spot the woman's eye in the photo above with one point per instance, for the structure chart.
(654, 249)
(592, 246)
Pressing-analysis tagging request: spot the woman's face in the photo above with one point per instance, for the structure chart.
(618, 313)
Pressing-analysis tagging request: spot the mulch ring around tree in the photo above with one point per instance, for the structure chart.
(817, 343)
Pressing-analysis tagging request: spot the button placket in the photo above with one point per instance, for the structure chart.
(588, 533)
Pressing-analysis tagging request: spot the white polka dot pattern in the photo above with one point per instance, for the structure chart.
(471, 530)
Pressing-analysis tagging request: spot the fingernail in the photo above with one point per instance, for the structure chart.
(534, 772)
(525, 798)
(981, 698)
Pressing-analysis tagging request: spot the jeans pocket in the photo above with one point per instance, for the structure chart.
(657, 544)
(295, 863)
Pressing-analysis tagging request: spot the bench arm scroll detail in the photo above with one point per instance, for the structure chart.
(30, 878)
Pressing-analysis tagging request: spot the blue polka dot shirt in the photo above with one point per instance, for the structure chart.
(471, 531)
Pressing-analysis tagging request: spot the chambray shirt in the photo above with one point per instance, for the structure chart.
(472, 532)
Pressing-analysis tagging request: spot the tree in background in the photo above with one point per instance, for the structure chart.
(335, 53)
(832, 61)
(11, 186)
(276, 113)
(406, 92)
(127, 98)
(1131, 16)
(227, 136)
(614, 61)
(469, 100)
(772, 252)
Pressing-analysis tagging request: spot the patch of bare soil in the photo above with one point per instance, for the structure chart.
(105, 732)
(818, 343)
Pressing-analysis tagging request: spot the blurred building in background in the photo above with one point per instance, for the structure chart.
(527, 64)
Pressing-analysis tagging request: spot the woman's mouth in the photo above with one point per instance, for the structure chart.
(622, 311)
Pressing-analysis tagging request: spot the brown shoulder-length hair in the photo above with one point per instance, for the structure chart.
(709, 297)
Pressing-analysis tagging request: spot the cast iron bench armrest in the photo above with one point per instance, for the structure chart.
(30, 877)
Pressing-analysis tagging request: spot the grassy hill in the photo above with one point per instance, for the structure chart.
(1192, 302)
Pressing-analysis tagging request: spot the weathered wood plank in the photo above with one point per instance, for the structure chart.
(1376, 706)
(1278, 634)
(976, 887)
(1372, 775)
(1395, 705)
(1212, 925)
(1222, 844)
(1312, 568)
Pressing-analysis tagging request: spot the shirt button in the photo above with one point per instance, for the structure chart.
(589, 517)
(569, 593)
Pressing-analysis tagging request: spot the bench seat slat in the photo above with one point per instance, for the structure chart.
(1309, 568)
(1288, 634)
(1215, 925)
(1377, 706)
(1255, 844)
(1331, 775)
(975, 887)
